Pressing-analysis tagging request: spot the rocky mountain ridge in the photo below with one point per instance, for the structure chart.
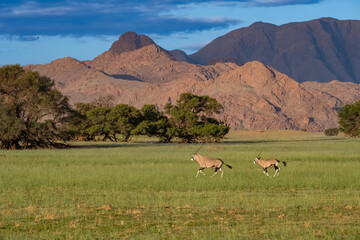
(254, 95)
(320, 50)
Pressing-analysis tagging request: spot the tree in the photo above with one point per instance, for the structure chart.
(100, 118)
(98, 123)
(11, 127)
(192, 118)
(125, 119)
(80, 126)
(349, 119)
(32, 112)
(154, 123)
(209, 132)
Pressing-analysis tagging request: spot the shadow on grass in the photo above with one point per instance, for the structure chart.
(107, 145)
(257, 141)
(137, 144)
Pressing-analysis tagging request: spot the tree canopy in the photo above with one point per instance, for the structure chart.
(154, 123)
(189, 120)
(192, 118)
(32, 112)
(349, 119)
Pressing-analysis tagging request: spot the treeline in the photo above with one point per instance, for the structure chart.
(189, 120)
(35, 115)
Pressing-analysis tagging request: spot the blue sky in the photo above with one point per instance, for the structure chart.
(39, 31)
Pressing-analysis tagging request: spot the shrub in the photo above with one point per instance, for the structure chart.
(331, 132)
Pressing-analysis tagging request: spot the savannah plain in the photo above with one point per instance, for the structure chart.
(147, 190)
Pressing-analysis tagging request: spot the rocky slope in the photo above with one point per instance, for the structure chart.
(254, 96)
(320, 50)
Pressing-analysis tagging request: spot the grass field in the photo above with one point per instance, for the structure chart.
(148, 191)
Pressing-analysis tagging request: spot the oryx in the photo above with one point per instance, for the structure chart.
(207, 162)
(266, 163)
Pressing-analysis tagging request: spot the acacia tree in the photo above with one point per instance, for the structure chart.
(81, 124)
(192, 119)
(349, 119)
(32, 112)
(97, 123)
(125, 119)
(154, 123)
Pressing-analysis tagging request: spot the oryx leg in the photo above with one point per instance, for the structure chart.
(222, 173)
(216, 169)
(265, 172)
(200, 171)
(277, 169)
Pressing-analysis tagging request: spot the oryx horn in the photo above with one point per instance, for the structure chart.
(259, 154)
(198, 149)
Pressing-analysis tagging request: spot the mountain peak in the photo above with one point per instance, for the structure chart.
(130, 41)
(318, 50)
(262, 24)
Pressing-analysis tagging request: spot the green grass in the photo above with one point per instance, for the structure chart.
(148, 190)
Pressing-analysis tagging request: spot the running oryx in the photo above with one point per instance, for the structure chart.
(266, 163)
(207, 162)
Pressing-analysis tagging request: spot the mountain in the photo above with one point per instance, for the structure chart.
(320, 50)
(153, 64)
(130, 41)
(254, 96)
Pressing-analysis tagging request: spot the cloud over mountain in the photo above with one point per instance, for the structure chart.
(80, 17)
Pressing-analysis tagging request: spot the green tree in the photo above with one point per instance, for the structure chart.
(191, 118)
(349, 119)
(98, 123)
(79, 123)
(98, 119)
(209, 132)
(125, 119)
(80, 127)
(12, 127)
(154, 123)
(32, 112)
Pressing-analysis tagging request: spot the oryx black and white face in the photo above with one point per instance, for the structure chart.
(257, 158)
(193, 157)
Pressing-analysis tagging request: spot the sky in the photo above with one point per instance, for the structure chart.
(40, 31)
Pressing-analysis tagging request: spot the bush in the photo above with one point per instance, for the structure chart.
(331, 132)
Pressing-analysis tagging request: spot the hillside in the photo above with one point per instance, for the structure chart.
(254, 96)
(320, 50)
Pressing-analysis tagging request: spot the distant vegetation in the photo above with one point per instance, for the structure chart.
(331, 132)
(35, 115)
(349, 119)
(189, 120)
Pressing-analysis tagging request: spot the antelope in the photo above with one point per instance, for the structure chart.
(266, 163)
(207, 162)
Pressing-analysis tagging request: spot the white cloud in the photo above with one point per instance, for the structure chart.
(33, 8)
